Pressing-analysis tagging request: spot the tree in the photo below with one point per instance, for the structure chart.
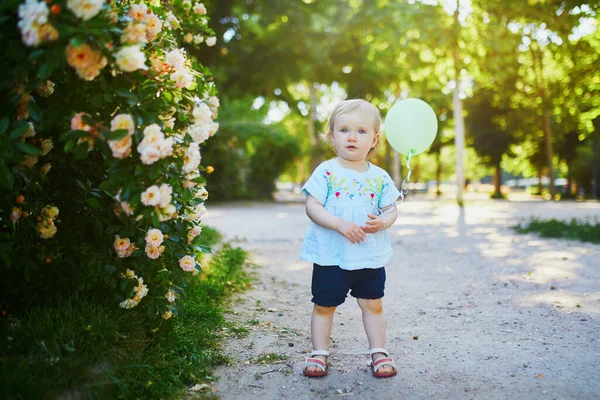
(487, 130)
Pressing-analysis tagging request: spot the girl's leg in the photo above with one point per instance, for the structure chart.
(321, 323)
(374, 323)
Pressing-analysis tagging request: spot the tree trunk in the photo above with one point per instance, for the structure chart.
(538, 72)
(569, 188)
(459, 123)
(549, 150)
(540, 181)
(497, 180)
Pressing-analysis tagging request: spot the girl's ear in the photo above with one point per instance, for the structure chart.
(375, 140)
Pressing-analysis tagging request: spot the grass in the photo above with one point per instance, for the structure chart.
(583, 231)
(270, 358)
(96, 350)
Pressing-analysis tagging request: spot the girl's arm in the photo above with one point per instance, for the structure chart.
(320, 216)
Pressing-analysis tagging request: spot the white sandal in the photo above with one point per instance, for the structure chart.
(311, 361)
(387, 360)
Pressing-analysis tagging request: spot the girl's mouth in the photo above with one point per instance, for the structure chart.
(351, 147)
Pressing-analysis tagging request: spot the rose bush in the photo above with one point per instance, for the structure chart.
(101, 128)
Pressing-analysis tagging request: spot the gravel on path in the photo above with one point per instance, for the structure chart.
(474, 310)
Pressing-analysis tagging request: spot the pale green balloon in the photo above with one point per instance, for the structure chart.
(410, 125)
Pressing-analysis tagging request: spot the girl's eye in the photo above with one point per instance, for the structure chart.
(362, 132)
(344, 130)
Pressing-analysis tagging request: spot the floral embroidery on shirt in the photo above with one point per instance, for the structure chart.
(373, 189)
(334, 186)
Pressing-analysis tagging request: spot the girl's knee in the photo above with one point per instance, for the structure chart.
(373, 306)
(321, 310)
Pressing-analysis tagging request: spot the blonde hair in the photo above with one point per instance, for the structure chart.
(346, 106)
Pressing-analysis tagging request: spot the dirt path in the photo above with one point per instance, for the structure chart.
(474, 310)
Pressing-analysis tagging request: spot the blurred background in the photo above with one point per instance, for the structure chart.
(515, 85)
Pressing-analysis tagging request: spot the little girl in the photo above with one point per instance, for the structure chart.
(350, 203)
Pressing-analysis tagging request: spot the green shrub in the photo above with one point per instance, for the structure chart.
(99, 147)
(574, 230)
(94, 350)
(248, 155)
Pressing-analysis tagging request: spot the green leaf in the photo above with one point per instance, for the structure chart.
(3, 125)
(155, 219)
(118, 134)
(45, 71)
(6, 178)
(167, 96)
(127, 94)
(28, 149)
(36, 54)
(34, 111)
(74, 134)
(203, 249)
(92, 201)
(174, 238)
(69, 146)
(77, 41)
(81, 151)
(19, 131)
(97, 100)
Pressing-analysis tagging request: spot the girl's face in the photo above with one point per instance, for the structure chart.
(354, 135)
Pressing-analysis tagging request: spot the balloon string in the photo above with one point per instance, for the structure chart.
(403, 190)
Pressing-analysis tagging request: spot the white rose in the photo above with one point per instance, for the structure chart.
(199, 133)
(182, 78)
(151, 196)
(165, 192)
(85, 9)
(165, 148)
(169, 123)
(176, 58)
(214, 127)
(192, 158)
(130, 58)
(202, 113)
(122, 121)
(138, 12)
(150, 155)
(121, 148)
(211, 41)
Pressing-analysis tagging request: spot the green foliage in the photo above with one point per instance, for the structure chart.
(248, 155)
(94, 349)
(532, 59)
(99, 146)
(584, 231)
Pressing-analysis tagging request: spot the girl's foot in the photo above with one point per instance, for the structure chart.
(382, 363)
(316, 364)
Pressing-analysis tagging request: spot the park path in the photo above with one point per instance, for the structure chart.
(474, 310)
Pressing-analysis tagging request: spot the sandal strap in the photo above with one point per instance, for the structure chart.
(380, 350)
(383, 361)
(317, 363)
(319, 353)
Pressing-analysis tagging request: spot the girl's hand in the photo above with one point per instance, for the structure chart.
(351, 231)
(374, 225)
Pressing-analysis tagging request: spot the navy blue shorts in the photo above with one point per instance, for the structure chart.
(330, 284)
